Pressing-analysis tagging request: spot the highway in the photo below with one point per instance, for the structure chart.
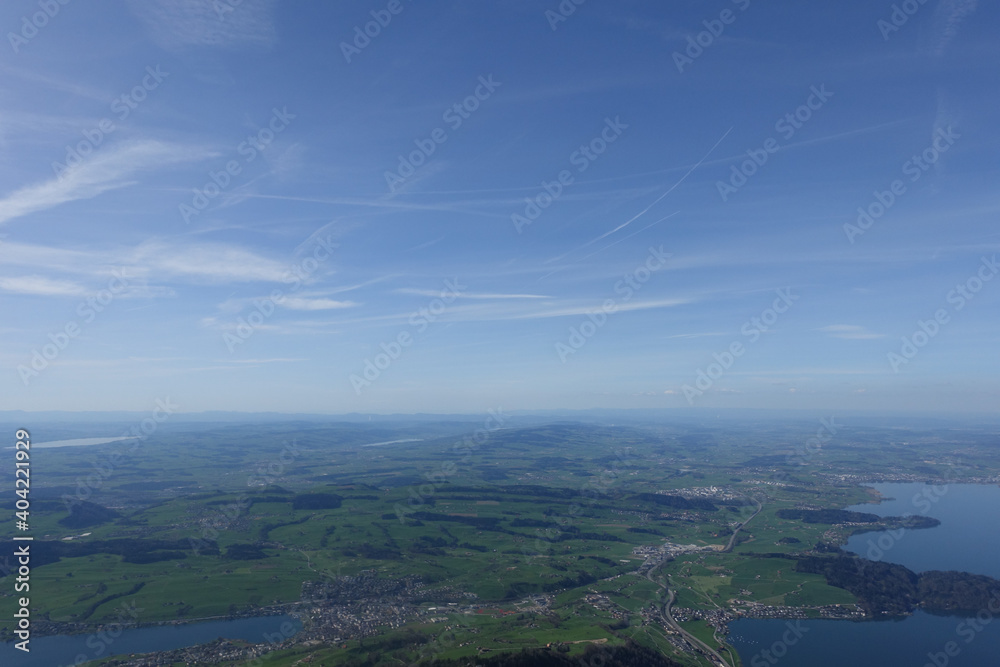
(674, 625)
(732, 539)
(671, 596)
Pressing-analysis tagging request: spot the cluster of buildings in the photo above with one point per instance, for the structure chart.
(602, 602)
(335, 623)
(833, 611)
(706, 492)
(221, 650)
(966, 476)
(668, 550)
(720, 618)
(342, 608)
(717, 618)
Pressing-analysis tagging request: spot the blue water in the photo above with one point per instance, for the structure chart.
(966, 540)
(66, 650)
(915, 641)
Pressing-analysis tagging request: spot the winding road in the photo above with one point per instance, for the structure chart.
(674, 625)
(672, 596)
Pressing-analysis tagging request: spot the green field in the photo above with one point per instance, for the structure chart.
(517, 533)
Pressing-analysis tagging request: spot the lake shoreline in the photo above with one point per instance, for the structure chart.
(915, 634)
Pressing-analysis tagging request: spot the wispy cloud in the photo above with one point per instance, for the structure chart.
(656, 201)
(151, 264)
(40, 286)
(176, 24)
(395, 204)
(426, 244)
(303, 301)
(468, 295)
(696, 335)
(284, 328)
(500, 312)
(13, 253)
(261, 361)
(298, 303)
(850, 332)
(109, 169)
(54, 83)
(160, 261)
(208, 262)
(512, 310)
(950, 14)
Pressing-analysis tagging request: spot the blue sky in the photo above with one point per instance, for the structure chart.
(256, 206)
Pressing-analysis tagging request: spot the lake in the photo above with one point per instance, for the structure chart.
(966, 540)
(77, 442)
(66, 650)
(905, 643)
